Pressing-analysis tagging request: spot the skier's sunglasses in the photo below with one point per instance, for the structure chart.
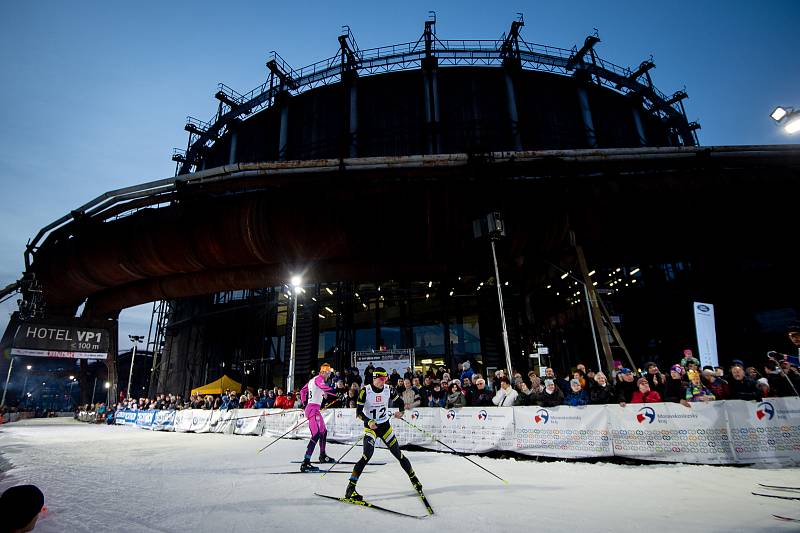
(380, 375)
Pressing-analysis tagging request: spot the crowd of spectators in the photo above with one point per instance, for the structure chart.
(684, 382)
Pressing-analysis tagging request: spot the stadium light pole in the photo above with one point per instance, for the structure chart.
(135, 339)
(25, 383)
(296, 282)
(108, 391)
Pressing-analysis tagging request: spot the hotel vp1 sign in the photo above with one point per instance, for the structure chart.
(72, 342)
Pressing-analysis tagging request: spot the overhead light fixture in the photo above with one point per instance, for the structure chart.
(549, 286)
(296, 281)
(617, 270)
(430, 284)
(328, 309)
(329, 290)
(427, 296)
(564, 275)
(314, 299)
(634, 271)
(321, 316)
(451, 292)
(779, 113)
(591, 273)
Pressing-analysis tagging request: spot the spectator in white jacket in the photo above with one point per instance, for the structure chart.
(506, 395)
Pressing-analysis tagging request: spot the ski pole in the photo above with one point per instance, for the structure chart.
(265, 414)
(451, 449)
(295, 427)
(340, 458)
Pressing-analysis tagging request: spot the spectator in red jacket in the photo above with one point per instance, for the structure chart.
(285, 401)
(644, 394)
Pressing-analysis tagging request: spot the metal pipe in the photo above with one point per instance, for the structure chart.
(130, 372)
(591, 323)
(290, 382)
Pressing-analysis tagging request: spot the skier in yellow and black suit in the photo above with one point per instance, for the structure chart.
(372, 408)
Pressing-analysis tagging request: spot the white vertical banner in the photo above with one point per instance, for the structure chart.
(706, 333)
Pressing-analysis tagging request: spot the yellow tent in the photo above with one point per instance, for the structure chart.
(218, 387)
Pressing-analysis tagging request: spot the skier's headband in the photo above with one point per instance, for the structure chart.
(380, 374)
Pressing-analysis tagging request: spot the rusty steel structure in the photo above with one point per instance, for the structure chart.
(365, 173)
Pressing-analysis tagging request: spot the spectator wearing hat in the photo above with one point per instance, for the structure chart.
(644, 394)
(19, 508)
(576, 396)
(763, 389)
(601, 391)
(714, 383)
(506, 395)
(695, 391)
(793, 332)
(467, 372)
(551, 395)
(655, 378)
(625, 386)
(780, 384)
(675, 386)
(741, 386)
(455, 397)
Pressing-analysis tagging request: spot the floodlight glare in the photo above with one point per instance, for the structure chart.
(793, 126)
(297, 281)
(778, 114)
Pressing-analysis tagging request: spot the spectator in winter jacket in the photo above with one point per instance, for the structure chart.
(506, 395)
(655, 378)
(437, 396)
(480, 396)
(695, 391)
(675, 387)
(762, 388)
(455, 398)
(625, 386)
(717, 385)
(410, 395)
(780, 384)
(741, 386)
(576, 396)
(208, 402)
(552, 395)
(525, 395)
(644, 394)
(467, 372)
(601, 392)
(285, 401)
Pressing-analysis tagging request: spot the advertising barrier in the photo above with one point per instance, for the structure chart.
(720, 432)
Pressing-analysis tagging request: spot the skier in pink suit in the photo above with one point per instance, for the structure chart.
(312, 395)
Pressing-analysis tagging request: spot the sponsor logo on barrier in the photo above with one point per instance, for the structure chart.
(765, 409)
(451, 415)
(414, 414)
(542, 416)
(239, 422)
(704, 308)
(195, 420)
(482, 415)
(647, 413)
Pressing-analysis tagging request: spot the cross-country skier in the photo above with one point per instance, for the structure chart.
(314, 393)
(372, 408)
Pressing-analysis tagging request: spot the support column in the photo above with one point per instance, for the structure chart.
(637, 121)
(586, 115)
(511, 94)
(353, 119)
(283, 141)
(431, 93)
(232, 155)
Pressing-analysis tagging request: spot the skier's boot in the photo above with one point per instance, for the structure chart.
(306, 466)
(415, 482)
(325, 459)
(351, 493)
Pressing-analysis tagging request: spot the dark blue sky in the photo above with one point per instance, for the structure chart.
(95, 93)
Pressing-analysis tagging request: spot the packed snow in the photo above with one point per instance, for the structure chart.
(114, 478)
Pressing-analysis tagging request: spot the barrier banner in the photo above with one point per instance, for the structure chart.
(194, 420)
(223, 422)
(280, 421)
(672, 432)
(766, 431)
(248, 421)
(345, 427)
(144, 419)
(427, 419)
(163, 421)
(477, 429)
(562, 431)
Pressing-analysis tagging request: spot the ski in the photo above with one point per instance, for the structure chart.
(425, 502)
(342, 463)
(776, 496)
(786, 518)
(369, 506)
(779, 487)
(312, 472)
